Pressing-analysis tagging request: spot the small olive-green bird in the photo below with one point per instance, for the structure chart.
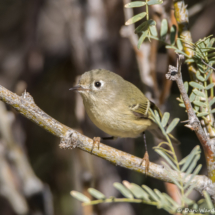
(116, 106)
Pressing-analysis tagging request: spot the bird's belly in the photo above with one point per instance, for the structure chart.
(118, 124)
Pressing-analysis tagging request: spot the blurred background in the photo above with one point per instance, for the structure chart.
(45, 45)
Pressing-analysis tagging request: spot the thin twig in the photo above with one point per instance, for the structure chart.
(207, 64)
(71, 139)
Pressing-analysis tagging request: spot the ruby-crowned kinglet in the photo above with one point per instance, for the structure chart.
(116, 106)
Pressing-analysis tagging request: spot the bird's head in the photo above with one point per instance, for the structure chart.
(98, 85)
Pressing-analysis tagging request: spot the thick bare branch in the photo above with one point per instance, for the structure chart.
(71, 139)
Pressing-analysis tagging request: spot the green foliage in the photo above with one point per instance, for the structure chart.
(172, 125)
(95, 193)
(142, 38)
(123, 190)
(186, 165)
(136, 18)
(148, 27)
(136, 190)
(173, 34)
(145, 26)
(153, 2)
(81, 197)
(202, 92)
(164, 29)
(135, 4)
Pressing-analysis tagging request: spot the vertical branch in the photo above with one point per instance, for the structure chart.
(181, 15)
(174, 74)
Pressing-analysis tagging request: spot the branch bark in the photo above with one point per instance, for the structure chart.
(71, 139)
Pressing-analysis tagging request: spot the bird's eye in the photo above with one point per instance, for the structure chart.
(97, 84)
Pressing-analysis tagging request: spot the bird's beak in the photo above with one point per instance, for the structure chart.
(78, 88)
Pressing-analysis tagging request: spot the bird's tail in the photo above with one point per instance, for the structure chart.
(158, 133)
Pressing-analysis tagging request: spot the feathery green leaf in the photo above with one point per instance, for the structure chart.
(95, 193)
(81, 197)
(138, 192)
(172, 125)
(164, 155)
(151, 193)
(199, 76)
(135, 4)
(152, 2)
(196, 171)
(164, 29)
(192, 97)
(199, 93)
(153, 30)
(144, 26)
(200, 104)
(196, 85)
(202, 114)
(186, 161)
(123, 190)
(209, 202)
(209, 86)
(212, 101)
(165, 119)
(179, 44)
(136, 18)
(172, 34)
(142, 38)
(186, 86)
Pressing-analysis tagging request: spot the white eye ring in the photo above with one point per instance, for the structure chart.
(98, 84)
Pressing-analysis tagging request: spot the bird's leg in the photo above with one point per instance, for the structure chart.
(108, 138)
(146, 155)
(96, 140)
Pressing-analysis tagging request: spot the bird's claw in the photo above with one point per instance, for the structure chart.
(96, 140)
(146, 160)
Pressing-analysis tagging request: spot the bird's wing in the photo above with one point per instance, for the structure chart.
(138, 103)
(142, 109)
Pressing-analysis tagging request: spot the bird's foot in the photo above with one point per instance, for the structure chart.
(146, 160)
(96, 140)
